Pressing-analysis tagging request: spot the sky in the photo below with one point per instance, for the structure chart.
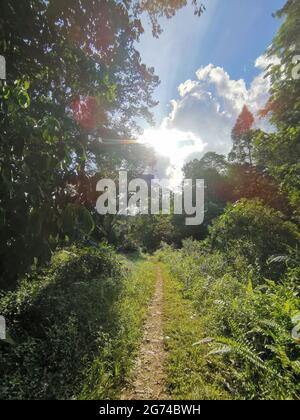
(209, 68)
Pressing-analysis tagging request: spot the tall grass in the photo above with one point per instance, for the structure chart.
(74, 327)
(108, 372)
(244, 334)
(188, 373)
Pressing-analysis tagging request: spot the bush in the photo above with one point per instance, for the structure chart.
(58, 320)
(247, 322)
(257, 232)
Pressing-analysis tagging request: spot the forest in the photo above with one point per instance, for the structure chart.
(77, 287)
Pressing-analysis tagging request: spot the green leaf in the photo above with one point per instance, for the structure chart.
(24, 99)
(86, 221)
(26, 84)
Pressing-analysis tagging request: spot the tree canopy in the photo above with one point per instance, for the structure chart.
(74, 74)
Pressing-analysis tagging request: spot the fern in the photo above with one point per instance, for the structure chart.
(242, 348)
(240, 345)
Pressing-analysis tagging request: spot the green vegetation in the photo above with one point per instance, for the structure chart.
(75, 75)
(74, 325)
(242, 230)
(278, 153)
(73, 303)
(243, 325)
(242, 281)
(188, 370)
(112, 366)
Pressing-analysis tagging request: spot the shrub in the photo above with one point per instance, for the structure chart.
(58, 320)
(257, 232)
(247, 322)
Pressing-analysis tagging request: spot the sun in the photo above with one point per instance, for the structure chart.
(178, 146)
(172, 143)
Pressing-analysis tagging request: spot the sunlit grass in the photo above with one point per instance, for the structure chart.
(186, 362)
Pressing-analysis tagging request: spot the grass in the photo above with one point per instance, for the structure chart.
(76, 325)
(106, 377)
(187, 364)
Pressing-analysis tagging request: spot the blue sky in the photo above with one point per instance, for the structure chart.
(230, 34)
(209, 67)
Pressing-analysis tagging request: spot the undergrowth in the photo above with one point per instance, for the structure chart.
(187, 366)
(108, 372)
(73, 328)
(241, 337)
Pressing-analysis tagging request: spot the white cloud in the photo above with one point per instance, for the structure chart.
(209, 105)
(206, 111)
(186, 87)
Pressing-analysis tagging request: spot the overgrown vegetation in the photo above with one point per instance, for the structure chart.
(188, 371)
(112, 366)
(246, 319)
(74, 307)
(81, 315)
(75, 76)
(243, 279)
(241, 230)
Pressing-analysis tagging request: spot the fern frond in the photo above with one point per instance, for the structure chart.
(242, 348)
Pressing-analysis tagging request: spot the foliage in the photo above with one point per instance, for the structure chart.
(74, 323)
(284, 106)
(278, 153)
(245, 325)
(106, 375)
(255, 231)
(75, 76)
(242, 136)
(230, 180)
(186, 363)
(152, 230)
(251, 182)
(59, 320)
(212, 167)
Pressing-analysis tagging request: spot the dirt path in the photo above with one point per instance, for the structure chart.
(149, 376)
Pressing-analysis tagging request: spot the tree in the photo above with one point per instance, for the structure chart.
(258, 231)
(242, 136)
(150, 231)
(283, 106)
(74, 75)
(212, 167)
(279, 153)
(253, 183)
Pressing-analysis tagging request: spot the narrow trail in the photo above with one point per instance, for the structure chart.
(148, 381)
